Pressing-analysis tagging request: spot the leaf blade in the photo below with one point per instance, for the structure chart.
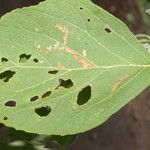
(83, 46)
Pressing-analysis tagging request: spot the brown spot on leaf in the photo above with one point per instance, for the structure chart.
(60, 65)
(48, 49)
(85, 63)
(80, 60)
(120, 80)
(64, 30)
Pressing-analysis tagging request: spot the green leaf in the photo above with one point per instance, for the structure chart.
(148, 11)
(144, 40)
(61, 142)
(10, 139)
(69, 65)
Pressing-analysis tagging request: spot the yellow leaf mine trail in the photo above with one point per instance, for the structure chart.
(120, 80)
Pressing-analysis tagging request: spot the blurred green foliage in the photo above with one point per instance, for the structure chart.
(11, 139)
(144, 5)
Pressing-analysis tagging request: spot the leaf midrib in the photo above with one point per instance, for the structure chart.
(33, 86)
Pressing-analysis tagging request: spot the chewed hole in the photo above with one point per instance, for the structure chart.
(7, 75)
(65, 83)
(24, 58)
(43, 111)
(88, 19)
(81, 8)
(10, 104)
(35, 60)
(34, 98)
(47, 94)
(53, 72)
(4, 60)
(84, 95)
(107, 30)
(5, 118)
